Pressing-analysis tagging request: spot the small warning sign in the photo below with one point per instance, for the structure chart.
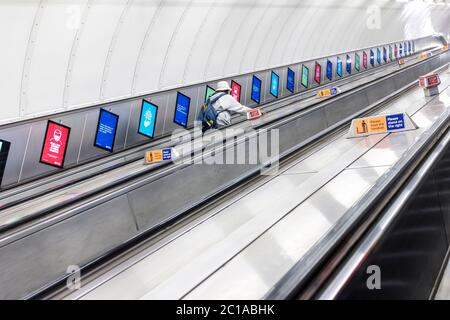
(155, 156)
(381, 124)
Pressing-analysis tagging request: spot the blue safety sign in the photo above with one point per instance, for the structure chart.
(395, 122)
(167, 154)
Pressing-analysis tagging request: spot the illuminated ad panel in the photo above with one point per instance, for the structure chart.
(349, 64)
(365, 60)
(357, 62)
(209, 92)
(391, 54)
(55, 144)
(290, 83)
(147, 119)
(339, 66)
(4, 151)
(413, 46)
(256, 89)
(329, 70)
(395, 51)
(305, 77)
(182, 110)
(317, 73)
(384, 54)
(372, 58)
(106, 130)
(379, 55)
(236, 91)
(401, 50)
(406, 48)
(274, 84)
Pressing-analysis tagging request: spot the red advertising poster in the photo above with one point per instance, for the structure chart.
(55, 144)
(236, 91)
(318, 73)
(365, 60)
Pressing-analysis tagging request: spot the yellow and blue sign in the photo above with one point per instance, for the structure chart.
(381, 124)
(327, 92)
(159, 155)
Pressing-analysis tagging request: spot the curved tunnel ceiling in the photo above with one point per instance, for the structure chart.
(61, 54)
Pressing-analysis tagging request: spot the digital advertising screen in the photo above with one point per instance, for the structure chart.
(209, 92)
(349, 64)
(55, 144)
(357, 62)
(406, 48)
(339, 67)
(147, 119)
(372, 58)
(106, 130)
(4, 151)
(379, 55)
(413, 46)
(290, 83)
(395, 51)
(384, 54)
(182, 110)
(256, 89)
(329, 70)
(391, 54)
(365, 60)
(236, 91)
(274, 84)
(401, 50)
(305, 77)
(318, 73)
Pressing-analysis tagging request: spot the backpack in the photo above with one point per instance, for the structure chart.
(208, 114)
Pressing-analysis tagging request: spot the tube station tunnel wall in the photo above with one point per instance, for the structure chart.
(164, 112)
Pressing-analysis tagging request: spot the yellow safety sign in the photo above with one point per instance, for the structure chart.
(370, 125)
(153, 156)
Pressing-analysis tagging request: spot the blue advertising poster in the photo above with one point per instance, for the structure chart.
(378, 55)
(339, 67)
(182, 110)
(290, 84)
(274, 83)
(372, 58)
(256, 90)
(106, 130)
(329, 70)
(395, 122)
(147, 120)
(349, 64)
(384, 54)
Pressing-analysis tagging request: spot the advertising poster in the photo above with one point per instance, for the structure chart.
(329, 70)
(106, 130)
(357, 62)
(365, 60)
(274, 84)
(372, 58)
(349, 64)
(305, 77)
(55, 144)
(209, 92)
(384, 54)
(379, 55)
(147, 120)
(256, 89)
(236, 91)
(182, 110)
(4, 151)
(318, 73)
(395, 52)
(290, 83)
(339, 67)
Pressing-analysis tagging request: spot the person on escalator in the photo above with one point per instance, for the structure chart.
(219, 107)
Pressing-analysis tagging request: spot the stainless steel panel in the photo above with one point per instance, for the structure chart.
(40, 258)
